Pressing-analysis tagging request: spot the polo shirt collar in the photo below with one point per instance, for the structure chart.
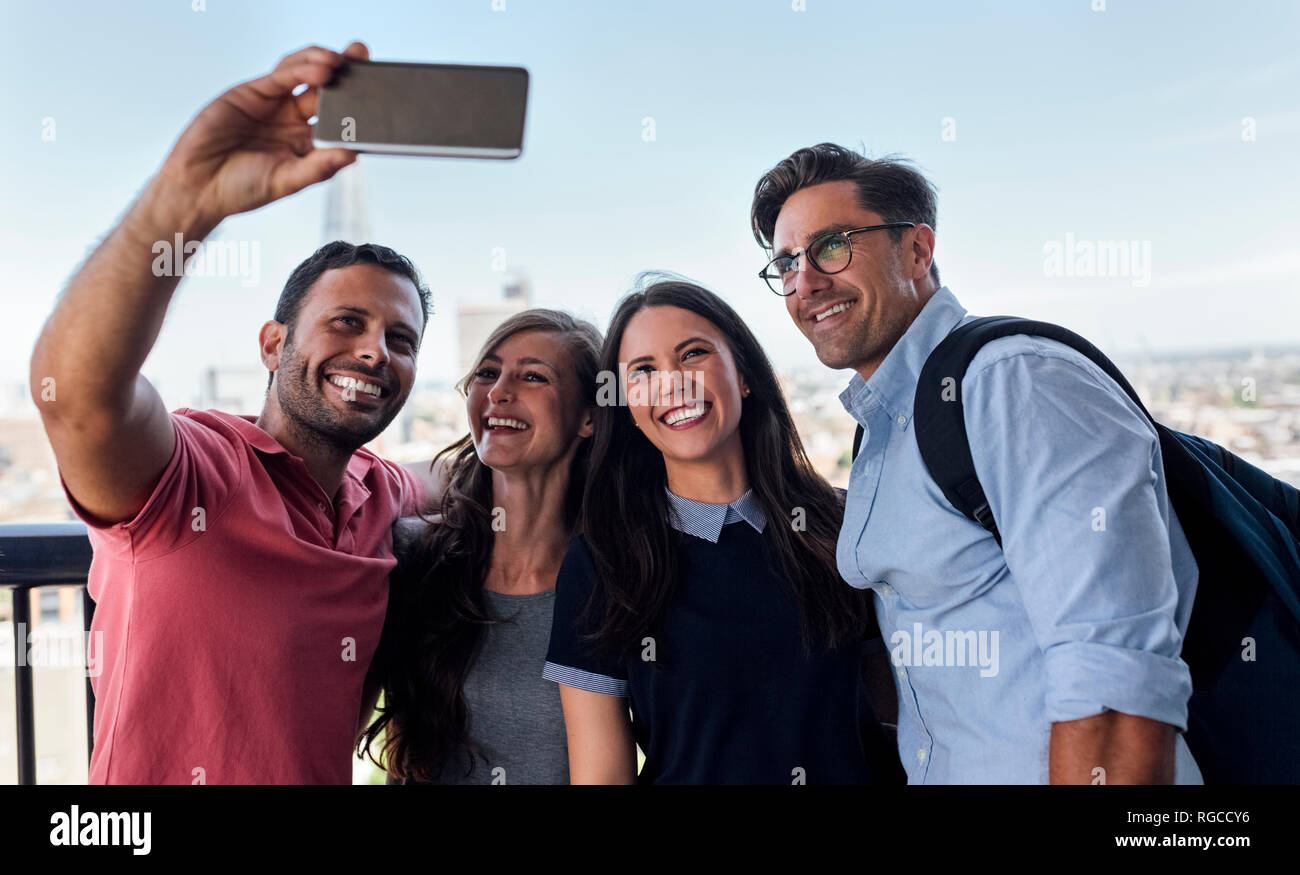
(248, 430)
(352, 490)
(893, 385)
(705, 520)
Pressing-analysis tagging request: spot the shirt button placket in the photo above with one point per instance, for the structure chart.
(326, 524)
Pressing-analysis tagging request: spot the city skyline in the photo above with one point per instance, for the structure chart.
(1141, 203)
(1124, 172)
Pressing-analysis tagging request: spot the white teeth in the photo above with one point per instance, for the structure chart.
(838, 308)
(495, 421)
(359, 385)
(684, 414)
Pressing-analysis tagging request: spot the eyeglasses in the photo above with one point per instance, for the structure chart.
(829, 253)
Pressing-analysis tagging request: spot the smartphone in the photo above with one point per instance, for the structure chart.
(453, 110)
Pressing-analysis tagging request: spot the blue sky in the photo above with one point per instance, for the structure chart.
(1120, 125)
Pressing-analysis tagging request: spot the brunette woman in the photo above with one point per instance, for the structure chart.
(703, 593)
(471, 600)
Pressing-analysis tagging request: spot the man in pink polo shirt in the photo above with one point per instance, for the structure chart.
(241, 563)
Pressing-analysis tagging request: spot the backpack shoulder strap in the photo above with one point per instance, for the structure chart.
(939, 417)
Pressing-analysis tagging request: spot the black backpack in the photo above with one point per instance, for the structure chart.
(1244, 530)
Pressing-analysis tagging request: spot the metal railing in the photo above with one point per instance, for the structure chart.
(34, 556)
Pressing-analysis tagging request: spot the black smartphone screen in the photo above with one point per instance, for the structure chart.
(424, 109)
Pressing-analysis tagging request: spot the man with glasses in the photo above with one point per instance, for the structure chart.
(1083, 624)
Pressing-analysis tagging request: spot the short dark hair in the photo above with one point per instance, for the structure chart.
(890, 186)
(342, 254)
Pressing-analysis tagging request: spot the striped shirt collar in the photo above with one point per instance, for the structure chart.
(706, 520)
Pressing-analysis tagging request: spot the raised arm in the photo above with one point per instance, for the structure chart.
(108, 427)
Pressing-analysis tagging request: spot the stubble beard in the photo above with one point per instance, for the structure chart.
(313, 419)
(868, 343)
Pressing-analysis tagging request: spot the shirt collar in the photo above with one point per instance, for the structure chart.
(354, 490)
(247, 428)
(893, 385)
(705, 520)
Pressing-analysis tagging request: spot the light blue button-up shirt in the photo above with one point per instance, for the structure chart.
(1083, 611)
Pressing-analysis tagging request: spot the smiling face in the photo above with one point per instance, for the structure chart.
(524, 404)
(853, 318)
(344, 370)
(683, 389)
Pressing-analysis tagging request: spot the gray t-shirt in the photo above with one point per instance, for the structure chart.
(514, 714)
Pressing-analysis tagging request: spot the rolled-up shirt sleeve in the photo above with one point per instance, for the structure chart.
(1072, 472)
(570, 658)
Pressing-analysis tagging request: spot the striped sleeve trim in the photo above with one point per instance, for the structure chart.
(584, 680)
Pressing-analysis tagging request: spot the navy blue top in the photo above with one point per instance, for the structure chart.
(725, 693)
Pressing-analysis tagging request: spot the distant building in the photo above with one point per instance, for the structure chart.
(346, 217)
(474, 322)
(16, 400)
(238, 390)
(30, 490)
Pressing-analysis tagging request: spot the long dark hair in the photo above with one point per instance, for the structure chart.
(436, 611)
(625, 508)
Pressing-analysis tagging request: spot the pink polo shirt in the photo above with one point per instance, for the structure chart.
(239, 612)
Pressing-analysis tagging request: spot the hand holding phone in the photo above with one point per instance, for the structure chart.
(252, 145)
